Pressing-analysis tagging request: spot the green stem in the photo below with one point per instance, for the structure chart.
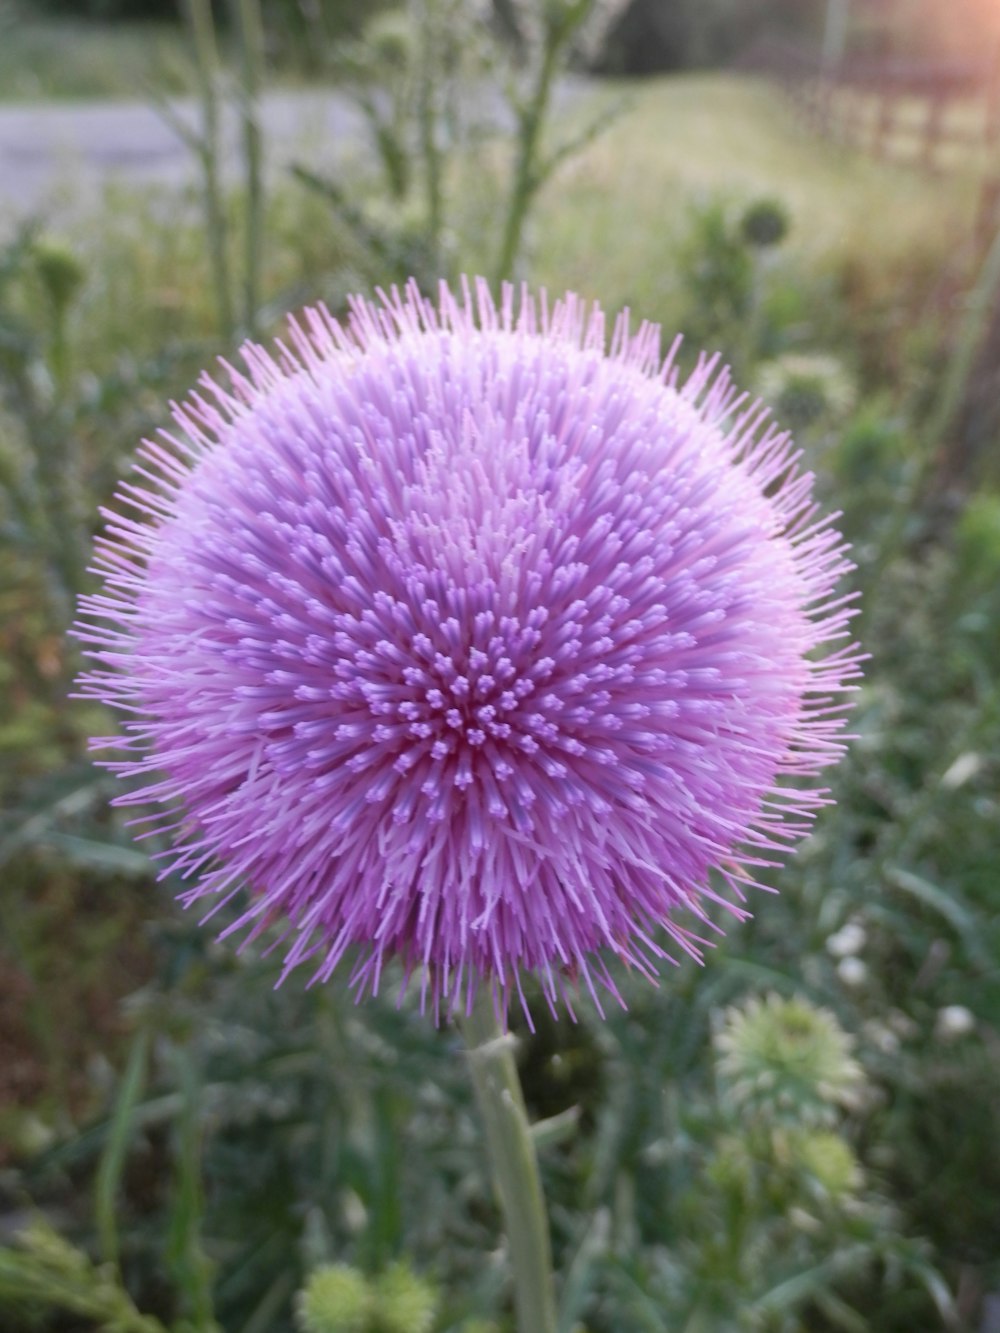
(430, 149)
(514, 1163)
(202, 27)
(60, 352)
(251, 30)
(527, 173)
(958, 373)
(979, 307)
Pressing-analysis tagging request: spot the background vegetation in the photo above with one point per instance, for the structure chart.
(799, 1136)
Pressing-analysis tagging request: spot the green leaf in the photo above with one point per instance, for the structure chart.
(946, 904)
(93, 854)
(555, 1129)
(582, 1270)
(186, 1258)
(113, 1159)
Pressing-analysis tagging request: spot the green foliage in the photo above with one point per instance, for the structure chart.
(978, 535)
(46, 1272)
(717, 270)
(44, 56)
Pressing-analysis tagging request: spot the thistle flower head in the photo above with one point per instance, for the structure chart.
(830, 1160)
(786, 1060)
(764, 223)
(404, 1302)
(455, 636)
(805, 387)
(335, 1299)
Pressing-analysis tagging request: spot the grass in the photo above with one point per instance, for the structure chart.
(609, 223)
(40, 61)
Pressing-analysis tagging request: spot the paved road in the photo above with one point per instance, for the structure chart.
(58, 159)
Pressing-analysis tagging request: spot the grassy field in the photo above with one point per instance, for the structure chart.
(610, 221)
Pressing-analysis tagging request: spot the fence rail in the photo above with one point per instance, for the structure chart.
(932, 114)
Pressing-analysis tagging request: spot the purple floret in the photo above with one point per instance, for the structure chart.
(452, 637)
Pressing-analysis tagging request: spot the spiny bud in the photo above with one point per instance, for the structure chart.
(765, 223)
(830, 1160)
(335, 1299)
(786, 1061)
(404, 1302)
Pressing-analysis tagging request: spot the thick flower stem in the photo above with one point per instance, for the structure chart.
(514, 1164)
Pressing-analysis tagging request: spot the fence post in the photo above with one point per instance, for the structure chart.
(936, 105)
(835, 34)
(886, 118)
(989, 189)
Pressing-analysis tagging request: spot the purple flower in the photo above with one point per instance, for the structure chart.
(452, 637)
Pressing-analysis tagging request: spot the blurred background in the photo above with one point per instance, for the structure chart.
(802, 1135)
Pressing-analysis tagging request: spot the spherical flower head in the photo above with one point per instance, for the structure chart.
(454, 636)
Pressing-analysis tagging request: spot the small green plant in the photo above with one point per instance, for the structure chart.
(717, 275)
(782, 1225)
(236, 282)
(61, 276)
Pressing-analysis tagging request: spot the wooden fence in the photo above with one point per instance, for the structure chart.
(930, 114)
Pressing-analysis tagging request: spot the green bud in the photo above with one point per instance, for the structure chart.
(802, 387)
(60, 271)
(390, 40)
(830, 1160)
(765, 223)
(786, 1062)
(335, 1299)
(404, 1302)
